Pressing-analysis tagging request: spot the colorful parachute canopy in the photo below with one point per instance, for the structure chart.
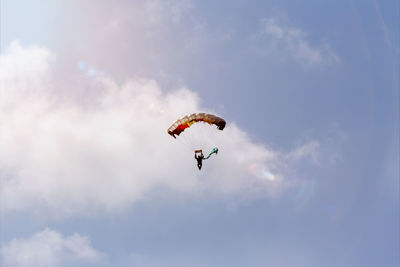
(180, 125)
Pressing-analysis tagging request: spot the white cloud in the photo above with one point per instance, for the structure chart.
(293, 43)
(48, 248)
(309, 149)
(66, 157)
(147, 38)
(159, 11)
(23, 71)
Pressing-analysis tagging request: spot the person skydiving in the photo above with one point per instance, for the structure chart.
(199, 159)
(201, 119)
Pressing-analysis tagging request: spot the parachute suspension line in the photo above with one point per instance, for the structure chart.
(184, 143)
(208, 131)
(187, 141)
(205, 133)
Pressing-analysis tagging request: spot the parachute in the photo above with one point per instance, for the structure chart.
(201, 136)
(180, 125)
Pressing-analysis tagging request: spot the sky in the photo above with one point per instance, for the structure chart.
(307, 172)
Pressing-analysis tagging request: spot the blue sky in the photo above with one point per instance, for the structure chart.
(310, 94)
